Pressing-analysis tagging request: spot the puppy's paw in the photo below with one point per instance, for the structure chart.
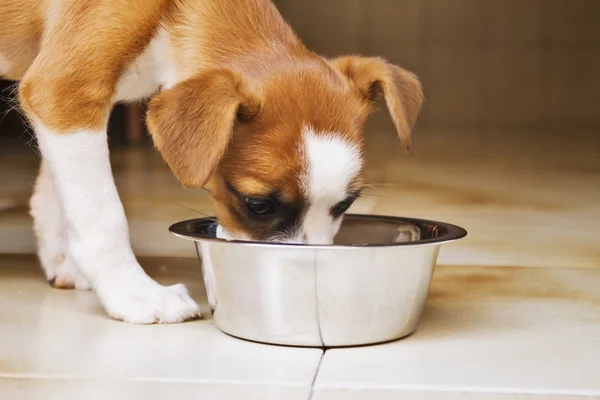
(64, 275)
(151, 304)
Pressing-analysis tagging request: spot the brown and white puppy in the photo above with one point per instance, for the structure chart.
(240, 106)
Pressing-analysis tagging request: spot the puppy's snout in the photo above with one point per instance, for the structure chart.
(318, 238)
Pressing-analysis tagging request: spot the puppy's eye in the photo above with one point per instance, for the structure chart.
(342, 206)
(260, 206)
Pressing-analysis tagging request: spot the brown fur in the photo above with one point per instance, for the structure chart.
(265, 155)
(83, 49)
(248, 87)
(21, 26)
(401, 89)
(193, 122)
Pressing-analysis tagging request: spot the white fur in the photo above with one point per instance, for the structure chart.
(97, 232)
(50, 228)
(331, 164)
(222, 234)
(78, 217)
(4, 65)
(152, 69)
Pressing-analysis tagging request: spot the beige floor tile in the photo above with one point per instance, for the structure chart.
(488, 330)
(49, 333)
(73, 389)
(364, 394)
(526, 198)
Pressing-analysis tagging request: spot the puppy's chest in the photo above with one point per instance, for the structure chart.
(153, 68)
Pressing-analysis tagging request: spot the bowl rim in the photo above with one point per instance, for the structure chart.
(185, 230)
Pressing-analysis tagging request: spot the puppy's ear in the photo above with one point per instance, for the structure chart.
(192, 122)
(374, 77)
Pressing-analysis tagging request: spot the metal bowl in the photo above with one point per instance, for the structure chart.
(369, 287)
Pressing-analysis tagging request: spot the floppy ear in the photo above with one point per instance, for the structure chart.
(402, 91)
(192, 122)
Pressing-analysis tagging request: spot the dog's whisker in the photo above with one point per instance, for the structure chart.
(378, 186)
(376, 189)
(375, 195)
(196, 211)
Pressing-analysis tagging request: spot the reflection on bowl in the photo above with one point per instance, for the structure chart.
(369, 287)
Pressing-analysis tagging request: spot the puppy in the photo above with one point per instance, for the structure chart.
(239, 106)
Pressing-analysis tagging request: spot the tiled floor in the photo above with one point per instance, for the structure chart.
(526, 199)
(485, 330)
(54, 336)
(493, 328)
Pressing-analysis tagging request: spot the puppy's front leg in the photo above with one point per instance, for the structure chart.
(98, 237)
(51, 232)
(67, 93)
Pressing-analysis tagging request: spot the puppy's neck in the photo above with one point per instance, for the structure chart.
(248, 36)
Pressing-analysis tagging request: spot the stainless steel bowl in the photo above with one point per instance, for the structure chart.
(369, 287)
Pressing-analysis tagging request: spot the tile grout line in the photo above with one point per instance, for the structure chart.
(145, 379)
(316, 263)
(466, 390)
(312, 384)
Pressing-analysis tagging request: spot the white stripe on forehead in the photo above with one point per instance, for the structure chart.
(331, 164)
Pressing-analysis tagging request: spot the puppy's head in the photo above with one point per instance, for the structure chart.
(283, 155)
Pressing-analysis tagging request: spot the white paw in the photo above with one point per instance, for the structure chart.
(154, 304)
(62, 273)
